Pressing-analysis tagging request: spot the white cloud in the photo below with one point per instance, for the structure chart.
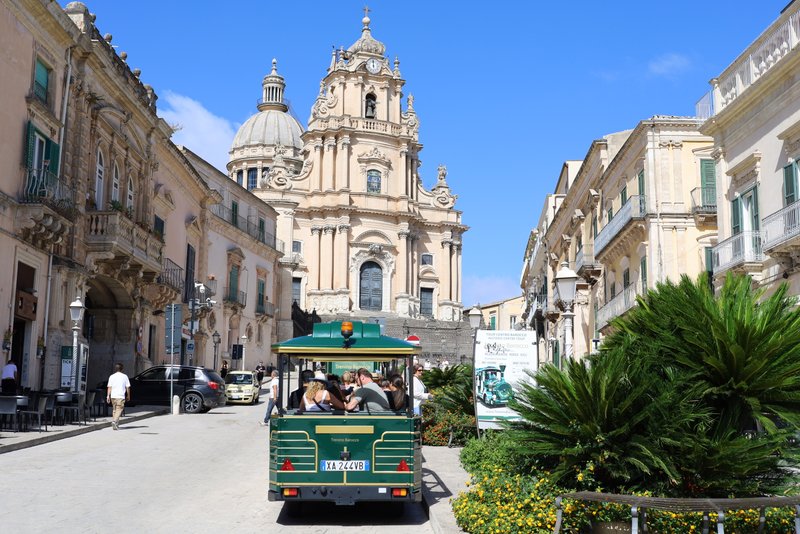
(202, 132)
(668, 65)
(486, 289)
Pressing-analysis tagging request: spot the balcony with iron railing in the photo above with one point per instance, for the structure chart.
(704, 204)
(171, 275)
(781, 230)
(233, 297)
(585, 264)
(742, 251)
(112, 231)
(265, 308)
(247, 226)
(620, 304)
(44, 187)
(634, 208)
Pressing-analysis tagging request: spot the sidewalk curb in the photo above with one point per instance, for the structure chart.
(433, 520)
(76, 432)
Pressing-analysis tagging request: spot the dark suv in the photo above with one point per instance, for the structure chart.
(199, 389)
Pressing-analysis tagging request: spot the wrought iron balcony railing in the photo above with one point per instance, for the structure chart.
(704, 200)
(781, 226)
(619, 304)
(171, 275)
(265, 308)
(232, 296)
(249, 227)
(584, 257)
(634, 208)
(744, 247)
(44, 187)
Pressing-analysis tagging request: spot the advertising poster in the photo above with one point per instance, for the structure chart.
(501, 358)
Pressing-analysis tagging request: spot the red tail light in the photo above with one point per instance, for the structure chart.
(290, 492)
(213, 385)
(403, 466)
(287, 465)
(399, 492)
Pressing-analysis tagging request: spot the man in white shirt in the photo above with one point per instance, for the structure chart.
(117, 392)
(9, 378)
(420, 391)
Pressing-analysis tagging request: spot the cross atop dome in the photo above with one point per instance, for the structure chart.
(367, 44)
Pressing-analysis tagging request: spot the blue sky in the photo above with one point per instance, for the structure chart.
(505, 91)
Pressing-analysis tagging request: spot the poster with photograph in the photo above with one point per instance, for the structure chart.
(501, 358)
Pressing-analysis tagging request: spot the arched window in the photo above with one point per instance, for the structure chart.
(131, 195)
(99, 175)
(115, 185)
(373, 181)
(371, 286)
(370, 106)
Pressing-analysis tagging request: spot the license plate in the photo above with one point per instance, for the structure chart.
(235, 397)
(344, 465)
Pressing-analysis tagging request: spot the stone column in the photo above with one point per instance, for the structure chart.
(412, 265)
(414, 166)
(404, 166)
(446, 284)
(342, 164)
(328, 164)
(326, 257)
(402, 261)
(318, 164)
(342, 256)
(458, 272)
(314, 269)
(453, 271)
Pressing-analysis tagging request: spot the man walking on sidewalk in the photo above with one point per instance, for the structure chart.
(118, 391)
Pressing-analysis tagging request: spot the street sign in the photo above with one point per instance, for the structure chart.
(172, 313)
(190, 348)
(236, 351)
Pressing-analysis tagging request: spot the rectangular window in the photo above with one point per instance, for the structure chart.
(297, 247)
(252, 178)
(556, 354)
(262, 230)
(188, 291)
(152, 338)
(239, 177)
(235, 214)
(640, 179)
(158, 226)
(297, 284)
(613, 290)
(789, 184)
(626, 278)
(512, 321)
(41, 153)
(427, 259)
(233, 284)
(708, 182)
(610, 214)
(261, 293)
(373, 181)
(594, 226)
(493, 322)
(41, 81)
(643, 270)
(623, 195)
(426, 301)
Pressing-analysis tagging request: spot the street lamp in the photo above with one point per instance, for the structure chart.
(475, 316)
(216, 338)
(76, 314)
(566, 282)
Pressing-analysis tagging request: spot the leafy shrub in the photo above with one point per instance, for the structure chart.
(493, 449)
(438, 424)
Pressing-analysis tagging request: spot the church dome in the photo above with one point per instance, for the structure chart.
(269, 127)
(272, 125)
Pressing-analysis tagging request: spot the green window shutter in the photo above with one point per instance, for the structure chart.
(640, 178)
(610, 214)
(42, 75)
(736, 216)
(556, 356)
(626, 278)
(261, 286)
(233, 282)
(643, 270)
(710, 260)
(789, 184)
(594, 226)
(52, 151)
(756, 220)
(623, 196)
(708, 181)
(235, 213)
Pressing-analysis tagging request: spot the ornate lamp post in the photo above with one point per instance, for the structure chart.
(216, 338)
(76, 314)
(566, 282)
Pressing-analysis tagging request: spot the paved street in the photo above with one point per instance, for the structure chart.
(187, 473)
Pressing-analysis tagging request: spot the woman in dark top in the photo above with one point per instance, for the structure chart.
(398, 398)
(224, 370)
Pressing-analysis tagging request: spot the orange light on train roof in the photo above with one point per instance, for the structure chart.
(347, 329)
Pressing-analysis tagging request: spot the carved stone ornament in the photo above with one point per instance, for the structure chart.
(374, 156)
(375, 250)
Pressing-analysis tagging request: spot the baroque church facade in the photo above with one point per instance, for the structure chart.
(365, 239)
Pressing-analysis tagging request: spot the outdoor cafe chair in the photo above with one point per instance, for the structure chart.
(88, 403)
(41, 407)
(50, 409)
(8, 407)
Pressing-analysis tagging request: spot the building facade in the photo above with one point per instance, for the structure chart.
(368, 240)
(753, 114)
(97, 203)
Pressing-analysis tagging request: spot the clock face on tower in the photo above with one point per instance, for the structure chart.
(373, 65)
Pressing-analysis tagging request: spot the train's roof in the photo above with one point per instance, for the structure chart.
(327, 339)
